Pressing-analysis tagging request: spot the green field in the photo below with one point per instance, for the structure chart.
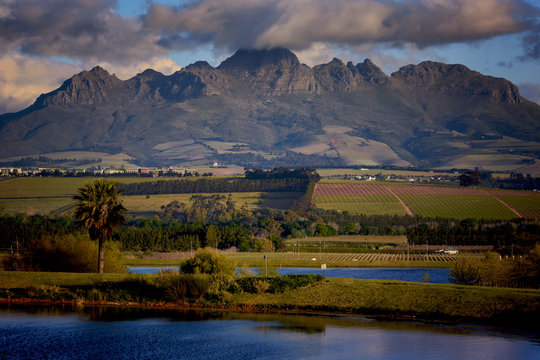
(527, 206)
(275, 200)
(458, 206)
(378, 198)
(374, 204)
(43, 195)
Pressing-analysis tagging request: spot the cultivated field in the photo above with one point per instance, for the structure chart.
(423, 200)
(45, 195)
(315, 259)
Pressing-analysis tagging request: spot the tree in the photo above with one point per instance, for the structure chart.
(100, 211)
(470, 178)
(207, 261)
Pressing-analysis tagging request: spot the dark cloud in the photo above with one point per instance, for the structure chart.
(90, 29)
(531, 44)
(505, 64)
(298, 24)
(80, 29)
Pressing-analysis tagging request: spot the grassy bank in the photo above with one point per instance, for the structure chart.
(371, 297)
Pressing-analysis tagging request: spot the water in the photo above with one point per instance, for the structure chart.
(438, 276)
(116, 333)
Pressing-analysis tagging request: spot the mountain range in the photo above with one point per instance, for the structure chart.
(265, 108)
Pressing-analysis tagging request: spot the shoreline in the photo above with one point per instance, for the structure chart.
(397, 316)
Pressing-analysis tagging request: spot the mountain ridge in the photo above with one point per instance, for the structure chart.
(275, 107)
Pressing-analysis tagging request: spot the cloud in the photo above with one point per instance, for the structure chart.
(301, 24)
(23, 78)
(531, 91)
(78, 29)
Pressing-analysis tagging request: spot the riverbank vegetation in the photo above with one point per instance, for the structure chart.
(396, 299)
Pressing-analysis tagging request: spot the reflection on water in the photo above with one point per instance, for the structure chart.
(113, 333)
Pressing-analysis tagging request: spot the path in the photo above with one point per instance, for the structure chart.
(407, 209)
(504, 203)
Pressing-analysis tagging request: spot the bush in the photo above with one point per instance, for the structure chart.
(208, 261)
(65, 253)
(277, 283)
(465, 272)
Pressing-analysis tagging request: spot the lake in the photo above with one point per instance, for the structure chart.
(438, 276)
(120, 333)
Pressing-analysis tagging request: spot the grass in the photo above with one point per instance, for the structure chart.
(43, 195)
(375, 297)
(55, 186)
(21, 279)
(395, 297)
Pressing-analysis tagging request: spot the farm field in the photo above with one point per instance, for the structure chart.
(35, 195)
(276, 200)
(315, 259)
(423, 200)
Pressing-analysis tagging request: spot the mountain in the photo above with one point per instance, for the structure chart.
(265, 108)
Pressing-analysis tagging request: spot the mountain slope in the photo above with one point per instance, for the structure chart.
(265, 108)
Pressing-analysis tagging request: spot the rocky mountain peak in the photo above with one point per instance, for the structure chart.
(85, 88)
(252, 59)
(275, 71)
(457, 80)
(371, 72)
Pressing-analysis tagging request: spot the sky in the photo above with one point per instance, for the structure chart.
(44, 42)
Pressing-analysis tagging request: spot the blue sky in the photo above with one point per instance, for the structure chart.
(43, 43)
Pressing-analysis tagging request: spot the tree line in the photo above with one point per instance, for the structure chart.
(219, 185)
(180, 228)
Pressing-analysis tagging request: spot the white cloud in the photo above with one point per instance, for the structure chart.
(24, 78)
(530, 91)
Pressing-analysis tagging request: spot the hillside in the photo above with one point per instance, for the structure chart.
(265, 108)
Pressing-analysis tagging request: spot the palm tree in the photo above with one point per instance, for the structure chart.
(100, 211)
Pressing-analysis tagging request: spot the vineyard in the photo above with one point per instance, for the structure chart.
(428, 201)
(315, 259)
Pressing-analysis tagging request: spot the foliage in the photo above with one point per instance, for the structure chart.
(470, 178)
(217, 185)
(495, 270)
(100, 211)
(208, 261)
(66, 253)
(276, 284)
(465, 272)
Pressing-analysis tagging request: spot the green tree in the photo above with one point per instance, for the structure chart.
(100, 211)
(207, 261)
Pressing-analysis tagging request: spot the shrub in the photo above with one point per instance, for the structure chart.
(208, 261)
(65, 253)
(190, 287)
(465, 272)
(261, 286)
(277, 283)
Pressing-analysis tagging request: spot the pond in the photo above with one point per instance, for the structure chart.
(120, 333)
(438, 276)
